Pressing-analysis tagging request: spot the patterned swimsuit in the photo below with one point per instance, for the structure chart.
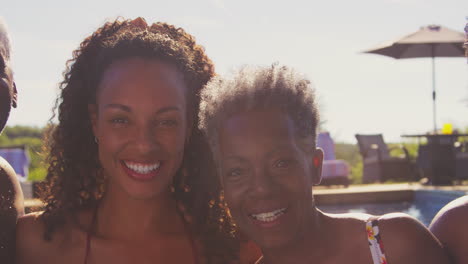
(375, 241)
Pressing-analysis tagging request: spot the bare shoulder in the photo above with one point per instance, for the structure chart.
(10, 189)
(30, 244)
(349, 237)
(66, 244)
(453, 214)
(448, 226)
(30, 226)
(406, 240)
(350, 225)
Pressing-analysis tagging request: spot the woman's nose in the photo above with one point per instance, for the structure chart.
(146, 139)
(262, 184)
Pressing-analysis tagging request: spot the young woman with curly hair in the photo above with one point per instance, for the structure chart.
(262, 127)
(125, 156)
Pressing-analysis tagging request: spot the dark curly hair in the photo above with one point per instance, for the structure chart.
(73, 180)
(253, 88)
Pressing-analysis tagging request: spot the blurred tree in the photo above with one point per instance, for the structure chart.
(23, 132)
(350, 153)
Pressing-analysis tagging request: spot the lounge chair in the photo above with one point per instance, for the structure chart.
(379, 166)
(18, 158)
(334, 172)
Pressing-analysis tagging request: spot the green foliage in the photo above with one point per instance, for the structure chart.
(32, 138)
(37, 174)
(356, 172)
(23, 132)
(396, 149)
(350, 153)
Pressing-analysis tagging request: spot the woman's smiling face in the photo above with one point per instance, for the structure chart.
(267, 176)
(140, 122)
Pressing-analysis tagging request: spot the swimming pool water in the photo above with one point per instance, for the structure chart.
(424, 207)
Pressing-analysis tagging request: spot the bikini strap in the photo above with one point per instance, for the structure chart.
(375, 241)
(89, 234)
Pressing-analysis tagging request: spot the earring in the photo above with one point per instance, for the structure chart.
(96, 140)
(222, 203)
(316, 162)
(183, 179)
(185, 186)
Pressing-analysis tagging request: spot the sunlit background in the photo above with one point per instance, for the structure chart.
(358, 93)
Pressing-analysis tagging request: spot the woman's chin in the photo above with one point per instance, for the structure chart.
(147, 194)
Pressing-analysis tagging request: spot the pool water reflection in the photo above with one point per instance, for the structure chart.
(424, 207)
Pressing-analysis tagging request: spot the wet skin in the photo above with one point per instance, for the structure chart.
(11, 196)
(449, 227)
(11, 207)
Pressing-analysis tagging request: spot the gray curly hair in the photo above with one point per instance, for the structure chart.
(5, 43)
(254, 88)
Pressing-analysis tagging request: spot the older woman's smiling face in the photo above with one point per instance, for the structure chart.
(267, 176)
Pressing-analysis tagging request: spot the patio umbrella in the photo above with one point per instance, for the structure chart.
(429, 41)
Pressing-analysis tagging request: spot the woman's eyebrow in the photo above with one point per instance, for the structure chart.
(129, 109)
(119, 106)
(233, 158)
(281, 146)
(168, 109)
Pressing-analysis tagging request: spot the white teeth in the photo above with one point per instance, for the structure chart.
(142, 168)
(269, 216)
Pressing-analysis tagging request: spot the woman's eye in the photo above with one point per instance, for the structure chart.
(282, 164)
(235, 173)
(119, 120)
(168, 123)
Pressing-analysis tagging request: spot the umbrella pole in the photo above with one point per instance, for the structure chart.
(434, 116)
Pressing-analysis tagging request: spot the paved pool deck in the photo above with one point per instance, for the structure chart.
(368, 193)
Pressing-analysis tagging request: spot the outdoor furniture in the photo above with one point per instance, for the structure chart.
(379, 166)
(441, 160)
(18, 158)
(334, 172)
(461, 166)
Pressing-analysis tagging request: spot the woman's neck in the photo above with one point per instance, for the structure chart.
(304, 249)
(120, 216)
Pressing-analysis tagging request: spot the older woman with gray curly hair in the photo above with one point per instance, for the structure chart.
(262, 126)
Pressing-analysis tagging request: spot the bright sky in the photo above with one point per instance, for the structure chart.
(358, 93)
